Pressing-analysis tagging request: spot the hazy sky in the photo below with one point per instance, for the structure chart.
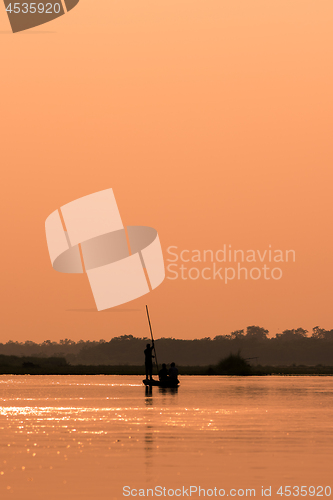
(212, 122)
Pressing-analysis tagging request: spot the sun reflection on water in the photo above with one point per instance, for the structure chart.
(53, 428)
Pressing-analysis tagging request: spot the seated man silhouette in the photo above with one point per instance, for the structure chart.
(149, 360)
(173, 372)
(163, 374)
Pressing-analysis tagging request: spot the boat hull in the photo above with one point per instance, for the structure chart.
(159, 383)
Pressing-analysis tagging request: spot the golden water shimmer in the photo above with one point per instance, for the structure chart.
(88, 437)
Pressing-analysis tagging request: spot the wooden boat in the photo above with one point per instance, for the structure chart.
(161, 383)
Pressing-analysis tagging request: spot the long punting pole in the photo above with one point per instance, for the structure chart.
(152, 338)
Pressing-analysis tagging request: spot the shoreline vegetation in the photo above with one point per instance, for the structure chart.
(291, 347)
(242, 352)
(234, 364)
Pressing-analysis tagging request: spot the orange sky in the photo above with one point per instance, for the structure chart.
(212, 122)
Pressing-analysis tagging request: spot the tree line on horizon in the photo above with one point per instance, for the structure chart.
(287, 348)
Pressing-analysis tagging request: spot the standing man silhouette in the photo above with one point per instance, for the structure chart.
(149, 361)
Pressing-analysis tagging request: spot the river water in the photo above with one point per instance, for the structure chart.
(102, 437)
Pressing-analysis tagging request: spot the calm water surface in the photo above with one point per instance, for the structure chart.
(86, 437)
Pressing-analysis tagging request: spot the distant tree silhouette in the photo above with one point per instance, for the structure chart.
(237, 334)
(297, 334)
(292, 346)
(256, 332)
(329, 335)
(318, 333)
(322, 334)
(67, 342)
